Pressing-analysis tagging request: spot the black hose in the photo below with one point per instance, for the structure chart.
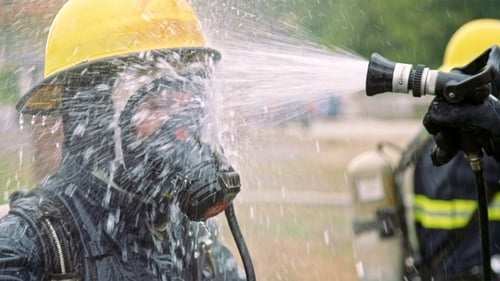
(240, 242)
(475, 157)
(482, 205)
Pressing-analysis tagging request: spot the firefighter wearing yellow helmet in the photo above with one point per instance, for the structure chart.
(445, 207)
(140, 173)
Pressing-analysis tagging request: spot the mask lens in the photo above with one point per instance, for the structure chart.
(156, 109)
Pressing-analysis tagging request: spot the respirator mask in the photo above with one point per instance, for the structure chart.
(165, 158)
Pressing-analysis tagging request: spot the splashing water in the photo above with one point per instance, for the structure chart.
(271, 71)
(260, 75)
(268, 75)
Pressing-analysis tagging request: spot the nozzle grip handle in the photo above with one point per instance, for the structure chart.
(473, 89)
(482, 71)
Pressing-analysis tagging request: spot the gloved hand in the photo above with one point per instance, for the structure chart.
(448, 123)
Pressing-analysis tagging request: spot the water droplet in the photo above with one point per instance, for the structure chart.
(70, 189)
(107, 197)
(20, 154)
(252, 212)
(110, 223)
(326, 237)
(124, 254)
(21, 121)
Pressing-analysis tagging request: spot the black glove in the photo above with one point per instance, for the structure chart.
(449, 123)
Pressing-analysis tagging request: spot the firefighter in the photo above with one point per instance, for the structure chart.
(445, 196)
(131, 81)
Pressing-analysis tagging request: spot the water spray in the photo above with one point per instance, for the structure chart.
(471, 83)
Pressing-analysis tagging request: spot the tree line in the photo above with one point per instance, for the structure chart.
(413, 31)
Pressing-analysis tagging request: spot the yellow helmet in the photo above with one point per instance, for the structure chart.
(89, 31)
(470, 41)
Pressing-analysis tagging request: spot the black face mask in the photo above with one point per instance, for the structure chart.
(172, 164)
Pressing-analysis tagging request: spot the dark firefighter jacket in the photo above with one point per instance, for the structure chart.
(99, 240)
(445, 199)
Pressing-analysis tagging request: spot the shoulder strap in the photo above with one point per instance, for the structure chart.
(409, 157)
(43, 211)
(413, 151)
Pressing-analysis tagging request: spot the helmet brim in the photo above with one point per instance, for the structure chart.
(46, 97)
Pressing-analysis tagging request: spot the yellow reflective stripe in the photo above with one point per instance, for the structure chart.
(438, 205)
(494, 208)
(449, 214)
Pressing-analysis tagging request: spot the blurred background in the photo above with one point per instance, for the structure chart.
(295, 207)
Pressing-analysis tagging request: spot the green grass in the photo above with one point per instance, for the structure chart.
(298, 163)
(296, 242)
(15, 165)
(9, 92)
(13, 177)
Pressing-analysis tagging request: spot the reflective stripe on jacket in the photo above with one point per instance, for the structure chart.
(450, 214)
(444, 200)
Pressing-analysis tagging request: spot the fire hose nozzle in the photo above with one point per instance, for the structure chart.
(384, 75)
(471, 82)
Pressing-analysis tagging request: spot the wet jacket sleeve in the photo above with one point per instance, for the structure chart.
(216, 261)
(227, 266)
(20, 250)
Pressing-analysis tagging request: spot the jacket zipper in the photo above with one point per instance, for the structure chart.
(58, 245)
